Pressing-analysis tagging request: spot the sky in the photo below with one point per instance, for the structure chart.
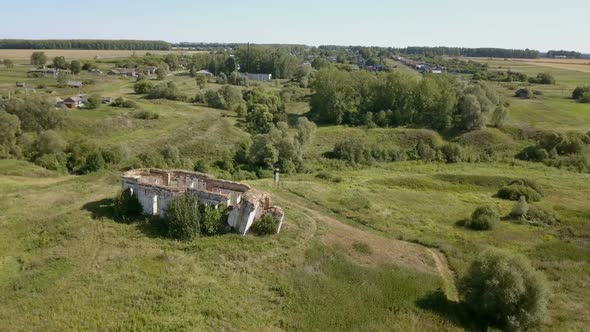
(534, 24)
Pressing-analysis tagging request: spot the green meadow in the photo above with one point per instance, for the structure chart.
(374, 247)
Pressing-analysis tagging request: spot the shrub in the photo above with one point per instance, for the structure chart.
(266, 225)
(580, 91)
(542, 78)
(515, 191)
(146, 115)
(520, 209)
(126, 205)
(585, 98)
(93, 102)
(143, 87)
(200, 166)
(123, 103)
(213, 220)
(484, 218)
(529, 183)
(329, 176)
(537, 214)
(505, 291)
(453, 153)
(183, 218)
(351, 150)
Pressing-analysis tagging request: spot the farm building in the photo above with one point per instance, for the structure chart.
(132, 72)
(259, 77)
(75, 84)
(73, 102)
(43, 71)
(204, 72)
(148, 70)
(21, 85)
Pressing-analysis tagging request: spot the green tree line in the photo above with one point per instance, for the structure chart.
(84, 44)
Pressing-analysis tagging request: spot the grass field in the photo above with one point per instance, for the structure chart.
(554, 109)
(582, 65)
(378, 250)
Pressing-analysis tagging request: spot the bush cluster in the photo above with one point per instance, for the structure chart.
(266, 225)
(187, 218)
(505, 291)
(559, 150)
(533, 213)
(484, 217)
(354, 151)
(126, 206)
(123, 103)
(529, 189)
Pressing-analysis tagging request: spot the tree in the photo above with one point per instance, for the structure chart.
(93, 102)
(49, 142)
(8, 63)
(38, 59)
(580, 91)
(183, 217)
(60, 62)
(470, 111)
(335, 97)
(126, 205)
(62, 79)
(231, 95)
(201, 80)
(162, 72)
(34, 113)
(262, 152)
(305, 130)
(143, 87)
(505, 291)
(75, 66)
(9, 129)
(214, 99)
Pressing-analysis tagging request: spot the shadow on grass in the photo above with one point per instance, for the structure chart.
(455, 312)
(101, 209)
(151, 226)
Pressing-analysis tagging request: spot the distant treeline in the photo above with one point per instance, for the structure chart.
(472, 52)
(561, 53)
(84, 44)
(443, 51)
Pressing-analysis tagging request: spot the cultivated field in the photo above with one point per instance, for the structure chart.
(582, 65)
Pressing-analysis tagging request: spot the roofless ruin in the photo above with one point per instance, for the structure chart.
(156, 188)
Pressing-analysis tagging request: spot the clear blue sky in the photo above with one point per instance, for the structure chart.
(536, 24)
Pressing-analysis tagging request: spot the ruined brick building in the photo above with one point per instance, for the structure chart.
(156, 188)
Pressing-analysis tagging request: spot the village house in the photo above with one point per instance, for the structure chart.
(43, 71)
(21, 85)
(204, 72)
(130, 72)
(73, 102)
(259, 77)
(148, 70)
(75, 84)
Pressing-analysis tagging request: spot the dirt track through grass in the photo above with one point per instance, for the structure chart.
(383, 250)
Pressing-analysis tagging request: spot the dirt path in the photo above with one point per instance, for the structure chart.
(445, 273)
(381, 250)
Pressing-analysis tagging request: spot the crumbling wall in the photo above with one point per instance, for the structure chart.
(156, 188)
